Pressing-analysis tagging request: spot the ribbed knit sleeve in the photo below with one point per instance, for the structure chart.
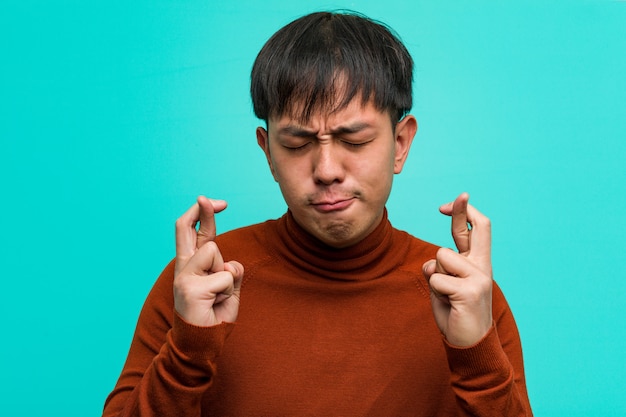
(170, 364)
(488, 377)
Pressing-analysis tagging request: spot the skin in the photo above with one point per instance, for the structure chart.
(335, 172)
(461, 282)
(206, 289)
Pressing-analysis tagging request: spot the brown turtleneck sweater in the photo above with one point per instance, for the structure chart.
(320, 332)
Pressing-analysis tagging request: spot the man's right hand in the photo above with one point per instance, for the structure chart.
(206, 289)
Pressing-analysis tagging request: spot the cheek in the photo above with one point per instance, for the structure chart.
(291, 178)
(376, 166)
(285, 169)
(375, 176)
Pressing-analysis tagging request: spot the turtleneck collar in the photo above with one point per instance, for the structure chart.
(369, 259)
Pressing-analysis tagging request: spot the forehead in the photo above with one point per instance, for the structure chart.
(355, 111)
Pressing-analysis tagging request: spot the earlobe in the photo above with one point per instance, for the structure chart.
(262, 138)
(405, 132)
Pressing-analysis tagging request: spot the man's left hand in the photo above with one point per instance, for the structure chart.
(461, 283)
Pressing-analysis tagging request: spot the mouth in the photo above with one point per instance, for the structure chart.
(332, 205)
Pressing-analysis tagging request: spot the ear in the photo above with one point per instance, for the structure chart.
(262, 138)
(404, 134)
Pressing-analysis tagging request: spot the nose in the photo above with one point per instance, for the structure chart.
(328, 165)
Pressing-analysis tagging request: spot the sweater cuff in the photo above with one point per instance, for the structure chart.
(199, 343)
(486, 357)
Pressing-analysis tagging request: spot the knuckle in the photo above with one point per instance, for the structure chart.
(475, 293)
(208, 248)
(460, 230)
(483, 285)
(483, 221)
(180, 262)
(212, 248)
(181, 222)
(182, 286)
(487, 222)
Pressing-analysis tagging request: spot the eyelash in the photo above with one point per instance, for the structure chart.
(297, 148)
(348, 144)
(355, 145)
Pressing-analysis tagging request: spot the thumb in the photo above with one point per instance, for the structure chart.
(237, 270)
(429, 268)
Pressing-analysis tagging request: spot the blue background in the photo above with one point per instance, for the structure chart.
(116, 115)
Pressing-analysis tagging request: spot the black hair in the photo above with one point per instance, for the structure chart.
(313, 61)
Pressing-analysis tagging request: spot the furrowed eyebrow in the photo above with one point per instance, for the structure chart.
(353, 128)
(341, 130)
(296, 131)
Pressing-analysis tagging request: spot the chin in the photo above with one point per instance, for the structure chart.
(339, 235)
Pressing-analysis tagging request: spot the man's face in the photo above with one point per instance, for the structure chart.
(335, 171)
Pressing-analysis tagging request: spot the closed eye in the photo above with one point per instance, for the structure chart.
(297, 148)
(355, 145)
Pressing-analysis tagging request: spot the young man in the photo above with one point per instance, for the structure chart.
(337, 313)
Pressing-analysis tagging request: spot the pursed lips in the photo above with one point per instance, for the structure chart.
(330, 205)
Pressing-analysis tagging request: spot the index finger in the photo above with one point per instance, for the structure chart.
(186, 234)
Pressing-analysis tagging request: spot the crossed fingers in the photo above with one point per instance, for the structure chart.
(188, 238)
(471, 230)
(461, 282)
